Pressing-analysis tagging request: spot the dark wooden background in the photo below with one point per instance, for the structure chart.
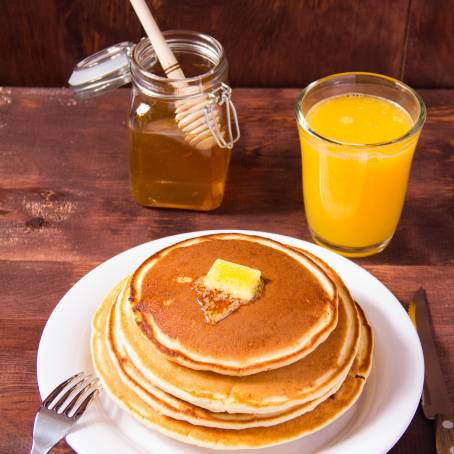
(270, 43)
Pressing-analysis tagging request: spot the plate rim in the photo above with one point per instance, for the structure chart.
(395, 431)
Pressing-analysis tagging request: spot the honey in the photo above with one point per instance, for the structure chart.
(165, 171)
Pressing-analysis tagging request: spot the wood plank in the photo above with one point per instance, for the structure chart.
(284, 42)
(428, 60)
(31, 290)
(403, 281)
(268, 43)
(40, 42)
(19, 400)
(53, 190)
(287, 43)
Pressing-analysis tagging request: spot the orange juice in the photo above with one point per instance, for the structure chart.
(354, 188)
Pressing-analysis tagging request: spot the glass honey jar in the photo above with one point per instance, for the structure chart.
(167, 166)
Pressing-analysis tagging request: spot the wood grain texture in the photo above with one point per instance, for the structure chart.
(65, 207)
(40, 42)
(53, 188)
(284, 43)
(444, 432)
(269, 43)
(429, 55)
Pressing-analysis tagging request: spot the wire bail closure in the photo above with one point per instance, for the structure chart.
(219, 98)
(110, 68)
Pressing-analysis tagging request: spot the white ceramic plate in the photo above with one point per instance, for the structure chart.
(372, 425)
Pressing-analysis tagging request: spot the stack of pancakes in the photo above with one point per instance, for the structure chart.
(276, 369)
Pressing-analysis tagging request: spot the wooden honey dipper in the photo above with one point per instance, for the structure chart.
(190, 114)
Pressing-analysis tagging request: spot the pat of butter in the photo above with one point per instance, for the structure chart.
(238, 281)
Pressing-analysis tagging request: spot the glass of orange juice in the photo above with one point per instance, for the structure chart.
(358, 132)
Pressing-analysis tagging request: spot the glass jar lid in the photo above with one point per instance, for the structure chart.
(100, 72)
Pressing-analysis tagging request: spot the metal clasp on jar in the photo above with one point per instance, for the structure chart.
(221, 98)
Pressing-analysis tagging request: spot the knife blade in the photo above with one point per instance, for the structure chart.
(435, 399)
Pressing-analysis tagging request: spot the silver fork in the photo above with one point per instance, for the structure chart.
(54, 420)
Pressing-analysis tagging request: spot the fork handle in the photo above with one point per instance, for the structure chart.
(46, 432)
(444, 433)
(39, 449)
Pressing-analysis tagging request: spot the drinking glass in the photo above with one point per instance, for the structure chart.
(354, 192)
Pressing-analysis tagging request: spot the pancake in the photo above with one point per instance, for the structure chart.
(127, 397)
(263, 393)
(168, 405)
(295, 313)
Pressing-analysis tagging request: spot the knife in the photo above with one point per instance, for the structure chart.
(435, 398)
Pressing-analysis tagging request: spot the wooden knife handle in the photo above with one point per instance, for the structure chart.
(444, 434)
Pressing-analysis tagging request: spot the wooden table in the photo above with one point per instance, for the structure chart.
(65, 207)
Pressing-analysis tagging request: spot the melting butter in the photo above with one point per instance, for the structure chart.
(225, 288)
(238, 281)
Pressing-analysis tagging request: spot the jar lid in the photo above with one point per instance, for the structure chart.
(109, 68)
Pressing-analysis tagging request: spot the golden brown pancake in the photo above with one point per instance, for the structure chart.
(295, 313)
(262, 393)
(168, 405)
(127, 397)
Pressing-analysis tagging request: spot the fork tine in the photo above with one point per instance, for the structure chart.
(84, 382)
(83, 406)
(77, 397)
(49, 399)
